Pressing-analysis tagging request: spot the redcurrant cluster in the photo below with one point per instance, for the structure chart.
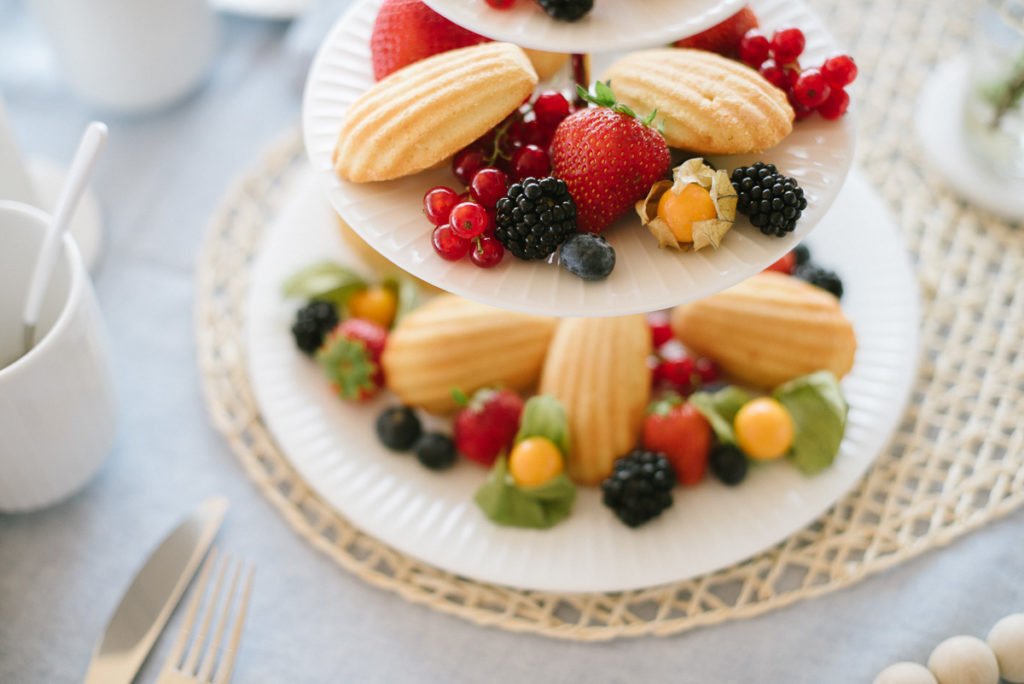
(515, 149)
(672, 368)
(817, 89)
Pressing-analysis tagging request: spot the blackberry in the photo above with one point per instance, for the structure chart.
(820, 277)
(802, 253)
(773, 202)
(535, 217)
(640, 486)
(312, 323)
(588, 256)
(728, 463)
(566, 10)
(398, 428)
(436, 451)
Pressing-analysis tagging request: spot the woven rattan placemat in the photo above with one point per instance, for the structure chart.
(956, 462)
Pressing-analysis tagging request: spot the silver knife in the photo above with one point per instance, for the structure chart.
(152, 596)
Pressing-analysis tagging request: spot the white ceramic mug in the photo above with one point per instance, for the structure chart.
(131, 55)
(57, 403)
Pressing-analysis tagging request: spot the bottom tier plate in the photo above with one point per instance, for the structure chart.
(432, 516)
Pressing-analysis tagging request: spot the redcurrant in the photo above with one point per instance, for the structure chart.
(678, 372)
(448, 245)
(466, 163)
(835, 106)
(787, 45)
(438, 203)
(469, 220)
(774, 74)
(535, 134)
(661, 332)
(707, 370)
(488, 186)
(530, 161)
(550, 108)
(754, 48)
(487, 252)
(839, 70)
(811, 89)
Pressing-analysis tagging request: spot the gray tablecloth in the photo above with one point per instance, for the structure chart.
(62, 570)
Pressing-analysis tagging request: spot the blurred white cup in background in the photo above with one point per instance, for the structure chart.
(130, 56)
(57, 402)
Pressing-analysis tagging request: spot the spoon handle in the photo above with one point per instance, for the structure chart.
(74, 185)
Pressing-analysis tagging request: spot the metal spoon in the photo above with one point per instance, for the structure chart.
(78, 177)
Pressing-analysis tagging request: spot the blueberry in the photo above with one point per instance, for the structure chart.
(728, 463)
(398, 428)
(436, 451)
(802, 254)
(588, 256)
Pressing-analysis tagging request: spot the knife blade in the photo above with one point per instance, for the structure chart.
(150, 599)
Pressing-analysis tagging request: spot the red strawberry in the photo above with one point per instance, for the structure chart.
(487, 425)
(724, 37)
(350, 356)
(608, 158)
(661, 330)
(680, 432)
(407, 31)
(786, 264)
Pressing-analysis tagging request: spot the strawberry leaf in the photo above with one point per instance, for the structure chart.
(604, 97)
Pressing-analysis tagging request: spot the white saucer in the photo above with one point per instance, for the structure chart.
(432, 517)
(611, 25)
(389, 215)
(939, 123)
(86, 223)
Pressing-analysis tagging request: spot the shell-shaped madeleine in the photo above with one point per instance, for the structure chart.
(769, 329)
(597, 368)
(709, 104)
(426, 112)
(452, 343)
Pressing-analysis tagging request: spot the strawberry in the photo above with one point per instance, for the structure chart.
(487, 424)
(407, 31)
(350, 356)
(787, 264)
(680, 432)
(724, 37)
(608, 158)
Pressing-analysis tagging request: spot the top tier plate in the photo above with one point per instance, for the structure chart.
(611, 26)
(389, 216)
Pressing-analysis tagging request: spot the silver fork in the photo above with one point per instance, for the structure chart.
(182, 668)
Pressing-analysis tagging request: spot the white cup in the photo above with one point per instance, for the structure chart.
(57, 403)
(131, 56)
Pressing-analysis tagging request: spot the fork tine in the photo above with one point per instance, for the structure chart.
(204, 628)
(174, 659)
(206, 668)
(227, 665)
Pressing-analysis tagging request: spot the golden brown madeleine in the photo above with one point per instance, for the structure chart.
(710, 104)
(597, 368)
(547, 64)
(452, 343)
(769, 329)
(426, 112)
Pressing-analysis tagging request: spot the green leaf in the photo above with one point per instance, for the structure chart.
(819, 410)
(506, 503)
(720, 408)
(323, 280)
(460, 397)
(407, 292)
(544, 416)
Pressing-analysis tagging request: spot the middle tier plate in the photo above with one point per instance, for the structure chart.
(389, 216)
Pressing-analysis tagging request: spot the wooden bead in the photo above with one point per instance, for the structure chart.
(1007, 641)
(905, 673)
(964, 660)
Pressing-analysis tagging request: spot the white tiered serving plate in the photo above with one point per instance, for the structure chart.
(389, 215)
(432, 515)
(611, 25)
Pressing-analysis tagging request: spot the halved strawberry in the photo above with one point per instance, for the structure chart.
(350, 357)
(487, 425)
(608, 158)
(407, 31)
(724, 37)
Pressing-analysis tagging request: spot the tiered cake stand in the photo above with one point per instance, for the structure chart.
(432, 517)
